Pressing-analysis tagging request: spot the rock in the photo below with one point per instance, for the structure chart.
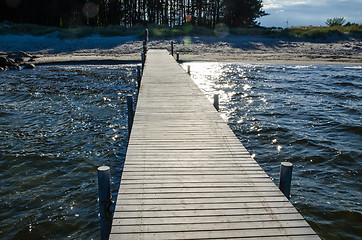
(29, 66)
(11, 62)
(14, 67)
(18, 54)
(3, 61)
(19, 59)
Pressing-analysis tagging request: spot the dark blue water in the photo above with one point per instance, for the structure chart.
(57, 125)
(308, 115)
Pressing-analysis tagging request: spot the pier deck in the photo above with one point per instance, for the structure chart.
(187, 176)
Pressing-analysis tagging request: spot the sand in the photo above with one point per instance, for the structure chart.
(50, 49)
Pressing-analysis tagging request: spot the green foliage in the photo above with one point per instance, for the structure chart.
(32, 29)
(249, 31)
(335, 22)
(320, 32)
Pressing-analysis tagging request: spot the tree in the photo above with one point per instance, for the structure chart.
(173, 13)
(334, 22)
(242, 13)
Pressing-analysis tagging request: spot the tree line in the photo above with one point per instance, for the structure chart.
(74, 13)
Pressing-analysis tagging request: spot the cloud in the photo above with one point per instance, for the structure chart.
(309, 12)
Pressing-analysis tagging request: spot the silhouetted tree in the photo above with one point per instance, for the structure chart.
(73, 13)
(242, 13)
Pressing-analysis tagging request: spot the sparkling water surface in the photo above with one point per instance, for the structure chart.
(59, 123)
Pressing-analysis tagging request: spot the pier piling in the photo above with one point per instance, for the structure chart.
(286, 169)
(105, 202)
(216, 102)
(130, 113)
(139, 77)
(171, 48)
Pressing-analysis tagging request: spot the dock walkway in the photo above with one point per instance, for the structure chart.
(187, 176)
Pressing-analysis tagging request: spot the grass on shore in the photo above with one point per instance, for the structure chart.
(157, 31)
(312, 32)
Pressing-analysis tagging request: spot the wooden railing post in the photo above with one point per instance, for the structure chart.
(146, 35)
(171, 48)
(105, 202)
(130, 113)
(139, 77)
(216, 102)
(144, 47)
(143, 59)
(285, 181)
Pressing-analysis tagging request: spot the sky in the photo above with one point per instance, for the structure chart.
(287, 13)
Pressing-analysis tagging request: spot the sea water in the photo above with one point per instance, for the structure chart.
(59, 123)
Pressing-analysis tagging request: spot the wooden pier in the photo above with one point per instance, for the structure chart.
(187, 176)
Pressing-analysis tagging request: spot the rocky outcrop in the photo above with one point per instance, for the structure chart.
(29, 66)
(16, 61)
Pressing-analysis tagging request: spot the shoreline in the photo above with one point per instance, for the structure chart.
(113, 50)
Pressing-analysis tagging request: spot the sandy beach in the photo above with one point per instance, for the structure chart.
(50, 49)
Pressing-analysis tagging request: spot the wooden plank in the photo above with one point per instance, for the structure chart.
(220, 234)
(206, 219)
(216, 199)
(203, 212)
(223, 226)
(138, 206)
(187, 176)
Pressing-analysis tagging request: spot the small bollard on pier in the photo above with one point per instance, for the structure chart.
(189, 69)
(139, 77)
(171, 48)
(146, 35)
(285, 181)
(130, 113)
(145, 46)
(143, 59)
(177, 56)
(216, 102)
(105, 201)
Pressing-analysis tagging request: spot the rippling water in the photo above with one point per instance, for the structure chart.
(57, 125)
(308, 115)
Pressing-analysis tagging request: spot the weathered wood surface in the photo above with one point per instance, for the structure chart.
(187, 176)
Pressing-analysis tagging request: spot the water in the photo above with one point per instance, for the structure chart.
(307, 115)
(57, 125)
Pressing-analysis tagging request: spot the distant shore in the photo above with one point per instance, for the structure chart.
(48, 49)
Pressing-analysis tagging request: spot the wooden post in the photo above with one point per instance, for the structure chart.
(145, 47)
(146, 35)
(138, 77)
(143, 59)
(138, 71)
(177, 56)
(286, 169)
(189, 69)
(216, 101)
(105, 202)
(130, 113)
(171, 48)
